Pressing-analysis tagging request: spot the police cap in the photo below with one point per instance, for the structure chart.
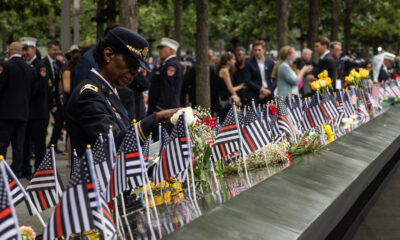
(130, 42)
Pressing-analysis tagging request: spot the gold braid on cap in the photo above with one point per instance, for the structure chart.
(141, 52)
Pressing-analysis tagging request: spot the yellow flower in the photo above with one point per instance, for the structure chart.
(315, 86)
(322, 83)
(323, 74)
(328, 81)
(349, 79)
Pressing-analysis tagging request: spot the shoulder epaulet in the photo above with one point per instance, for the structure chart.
(90, 87)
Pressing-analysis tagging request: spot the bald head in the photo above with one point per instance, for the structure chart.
(14, 48)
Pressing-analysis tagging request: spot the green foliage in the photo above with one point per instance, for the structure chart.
(237, 22)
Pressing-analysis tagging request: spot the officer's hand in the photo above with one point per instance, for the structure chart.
(165, 115)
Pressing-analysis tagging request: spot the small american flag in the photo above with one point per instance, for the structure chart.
(174, 156)
(285, 123)
(129, 151)
(45, 187)
(9, 227)
(254, 133)
(102, 164)
(313, 114)
(99, 208)
(227, 139)
(72, 214)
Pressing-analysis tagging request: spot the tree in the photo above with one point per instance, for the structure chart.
(347, 24)
(202, 63)
(335, 20)
(177, 24)
(129, 14)
(312, 22)
(283, 8)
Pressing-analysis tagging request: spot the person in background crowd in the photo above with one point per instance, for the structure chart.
(257, 75)
(95, 104)
(380, 65)
(287, 79)
(212, 58)
(336, 52)
(166, 84)
(60, 57)
(188, 60)
(227, 93)
(268, 54)
(40, 103)
(238, 75)
(53, 67)
(299, 63)
(16, 82)
(326, 61)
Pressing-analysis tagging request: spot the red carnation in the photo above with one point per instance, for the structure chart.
(272, 109)
(287, 155)
(211, 122)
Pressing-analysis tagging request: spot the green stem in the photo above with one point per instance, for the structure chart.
(222, 179)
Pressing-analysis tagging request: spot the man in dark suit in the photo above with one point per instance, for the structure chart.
(16, 79)
(166, 83)
(326, 61)
(257, 75)
(40, 103)
(53, 67)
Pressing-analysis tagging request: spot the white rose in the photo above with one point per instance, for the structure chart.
(190, 118)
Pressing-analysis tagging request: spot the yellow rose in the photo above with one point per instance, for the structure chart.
(322, 83)
(328, 81)
(315, 86)
(349, 79)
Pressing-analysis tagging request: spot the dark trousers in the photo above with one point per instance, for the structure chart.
(58, 126)
(14, 131)
(35, 135)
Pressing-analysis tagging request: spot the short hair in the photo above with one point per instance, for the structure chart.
(323, 41)
(258, 43)
(240, 49)
(52, 43)
(333, 44)
(306, 51)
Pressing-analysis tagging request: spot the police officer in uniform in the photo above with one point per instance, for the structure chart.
(41, 102)
(16, 79)
(95, 104)
(166, 83)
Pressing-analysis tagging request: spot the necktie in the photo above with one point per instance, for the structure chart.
(54, 69)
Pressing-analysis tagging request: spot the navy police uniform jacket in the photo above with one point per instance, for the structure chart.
(16, 79)
(93, 107)
(253, 80)
(42, 96)
(166, 86)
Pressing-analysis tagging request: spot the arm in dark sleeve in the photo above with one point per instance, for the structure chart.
(3, 77)
(146, 126)
(248, 79)
(171, 84)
